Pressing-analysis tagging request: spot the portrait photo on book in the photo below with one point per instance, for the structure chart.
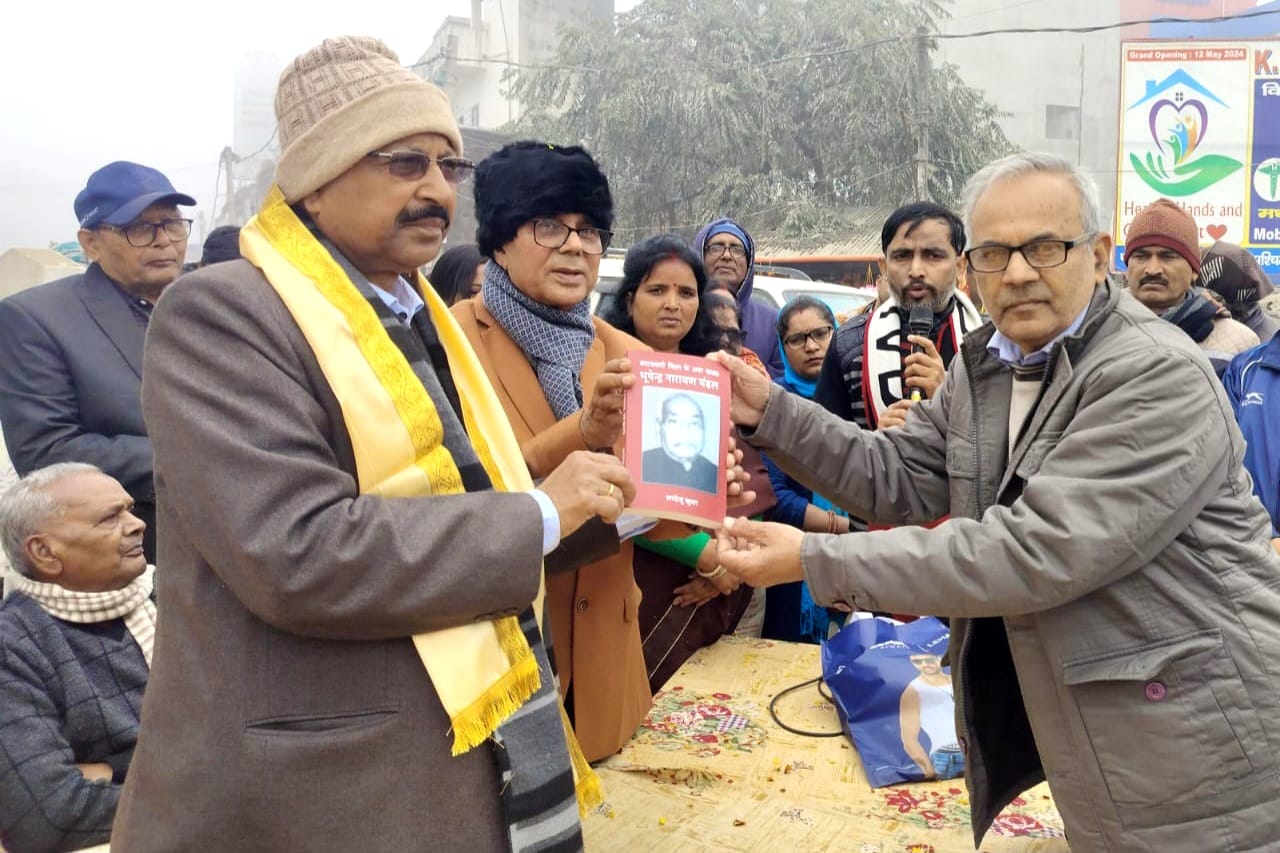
(682, 444)
(676, 437)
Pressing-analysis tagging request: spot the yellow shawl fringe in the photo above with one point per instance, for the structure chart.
(485, 671)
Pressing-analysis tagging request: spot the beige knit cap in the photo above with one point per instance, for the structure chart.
(343, 99)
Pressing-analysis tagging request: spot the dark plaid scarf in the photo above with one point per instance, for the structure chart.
(538, 799)
(1194, 315)
(555, 341)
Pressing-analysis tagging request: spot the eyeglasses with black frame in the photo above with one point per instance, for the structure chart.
(1039, 254)
(552, 234)
(412, 165)
(715, 250)
(818, 336)
(142, 234)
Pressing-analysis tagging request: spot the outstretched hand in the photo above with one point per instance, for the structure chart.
(750, 389)
(761, 553)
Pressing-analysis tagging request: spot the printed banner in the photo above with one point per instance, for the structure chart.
(1200, 124)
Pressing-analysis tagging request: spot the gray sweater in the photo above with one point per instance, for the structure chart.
(69, 694)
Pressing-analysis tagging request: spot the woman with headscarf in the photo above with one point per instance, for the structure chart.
(805, 326)
(730, 257)
(543, 216)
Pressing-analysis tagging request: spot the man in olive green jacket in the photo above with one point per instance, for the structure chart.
(1117, 599)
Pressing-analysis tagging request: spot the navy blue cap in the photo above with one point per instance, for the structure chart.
(119, 191)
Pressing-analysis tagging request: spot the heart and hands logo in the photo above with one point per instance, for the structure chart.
(1178, 125)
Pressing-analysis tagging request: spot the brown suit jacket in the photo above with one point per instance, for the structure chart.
(287, 708)
(594, 610)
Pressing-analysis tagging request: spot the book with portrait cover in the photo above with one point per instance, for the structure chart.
(676, 435)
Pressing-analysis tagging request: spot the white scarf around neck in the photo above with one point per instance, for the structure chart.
(131, 602)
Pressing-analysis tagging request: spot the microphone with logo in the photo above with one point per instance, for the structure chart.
(919, 322)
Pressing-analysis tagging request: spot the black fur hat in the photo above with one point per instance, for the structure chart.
(526, 180)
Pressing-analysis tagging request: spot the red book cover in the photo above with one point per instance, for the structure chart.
(676, 436)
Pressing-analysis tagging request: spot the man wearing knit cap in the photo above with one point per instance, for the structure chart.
(350, 657)
(1162, 255)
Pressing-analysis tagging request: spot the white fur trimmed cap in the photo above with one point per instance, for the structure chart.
(344, 98)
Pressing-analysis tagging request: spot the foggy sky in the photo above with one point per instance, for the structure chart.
(86, 83)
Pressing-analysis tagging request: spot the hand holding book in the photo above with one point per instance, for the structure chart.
(601, 420)
(587, 484)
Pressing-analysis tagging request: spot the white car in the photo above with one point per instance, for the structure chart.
(776, 291)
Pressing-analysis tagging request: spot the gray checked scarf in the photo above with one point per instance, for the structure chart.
(555, 341)
(132, 602)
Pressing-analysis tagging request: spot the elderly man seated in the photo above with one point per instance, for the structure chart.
(75, 648)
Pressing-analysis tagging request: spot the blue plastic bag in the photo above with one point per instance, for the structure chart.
(894, 698)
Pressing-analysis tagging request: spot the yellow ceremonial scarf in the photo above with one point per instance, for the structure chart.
(482, 672)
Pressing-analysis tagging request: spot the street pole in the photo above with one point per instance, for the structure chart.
(922, 115)
(228, 207)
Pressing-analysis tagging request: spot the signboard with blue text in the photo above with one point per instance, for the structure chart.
(1200, 124)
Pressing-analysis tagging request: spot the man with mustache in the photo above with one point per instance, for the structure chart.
(1108, 573)
(729, 254)
(1162, 254)
(874, 362)
(351, 656)
(678, 459)
(71, 350)
(76, 637)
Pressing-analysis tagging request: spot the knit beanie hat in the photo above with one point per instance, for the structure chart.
(1162, 223)
(343, 99)
(527, 180)
(1232, 272)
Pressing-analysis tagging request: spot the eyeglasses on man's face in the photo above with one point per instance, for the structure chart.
(412, 165)
(818, 336)
(1039, 254)
(715, 250)
(552, 234)
(142, 234)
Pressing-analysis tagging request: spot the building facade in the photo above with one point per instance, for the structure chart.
(468, 56)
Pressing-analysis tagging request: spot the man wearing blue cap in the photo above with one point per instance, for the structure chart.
(71, 350)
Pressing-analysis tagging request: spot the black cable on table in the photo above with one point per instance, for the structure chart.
(773, 712)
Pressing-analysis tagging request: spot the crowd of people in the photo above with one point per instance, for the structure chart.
(389, 597)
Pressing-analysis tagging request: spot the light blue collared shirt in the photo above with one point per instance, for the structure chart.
(1010, 353)
(402, 299)
(404, 302)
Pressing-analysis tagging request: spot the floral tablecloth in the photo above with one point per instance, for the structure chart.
(710, 770)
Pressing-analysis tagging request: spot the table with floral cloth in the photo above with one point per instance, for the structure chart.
(710, 770)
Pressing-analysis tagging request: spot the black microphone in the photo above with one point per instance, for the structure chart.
(919, 322)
